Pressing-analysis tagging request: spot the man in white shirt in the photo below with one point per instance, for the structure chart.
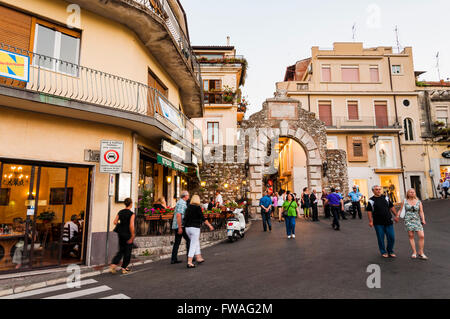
(72, 234)
(219, 200)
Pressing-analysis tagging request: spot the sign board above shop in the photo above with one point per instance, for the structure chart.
(111, 157)
(171, 164)
(446, 154)
(173, 150)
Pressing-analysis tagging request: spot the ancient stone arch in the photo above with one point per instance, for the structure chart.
(284, 117)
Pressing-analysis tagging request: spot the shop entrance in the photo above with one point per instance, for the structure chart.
(43, 215)
(417, 185)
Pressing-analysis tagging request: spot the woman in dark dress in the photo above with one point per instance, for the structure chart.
(124, 222)
(193, 220)
(306, 205)
(313, 200)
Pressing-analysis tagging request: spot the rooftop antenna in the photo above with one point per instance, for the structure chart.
(354, 31)
(437, 66)
(396, 37)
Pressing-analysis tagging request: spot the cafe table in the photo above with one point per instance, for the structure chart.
(7, 242)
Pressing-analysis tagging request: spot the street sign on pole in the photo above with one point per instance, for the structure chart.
(111, 157)
(111, 160)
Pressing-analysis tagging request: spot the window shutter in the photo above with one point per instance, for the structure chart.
(357, 149)
(353, 113)
(374, 74)
(325, 112)
(219, 85)
(381, 115)
(350, 74)
(326, 74)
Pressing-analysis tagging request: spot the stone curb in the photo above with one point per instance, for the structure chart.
(52, 282)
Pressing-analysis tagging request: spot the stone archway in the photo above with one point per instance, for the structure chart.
(284, 117)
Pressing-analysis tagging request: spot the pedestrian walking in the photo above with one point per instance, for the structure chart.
(326, 207)
(336, 204)
(193, 220)
(414, 221)
(124, 222)
(305, 203)
(280, 202)
(379, 210)
(342, 210)
(439, 189)
(218, 199)
(445, 187)
(355, 197)
(314, 200)
(290, 213)
(178, 227)
(266, 205)
(274, 205)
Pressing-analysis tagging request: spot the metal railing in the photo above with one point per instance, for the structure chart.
(164, 11)
(363, 122)
(220, 59)
(71, 81)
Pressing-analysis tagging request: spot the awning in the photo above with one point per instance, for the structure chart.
(171, 164)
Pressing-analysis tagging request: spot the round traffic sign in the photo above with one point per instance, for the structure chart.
(111, 157)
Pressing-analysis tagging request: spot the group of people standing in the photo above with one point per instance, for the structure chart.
(443, 187)
(380, 209)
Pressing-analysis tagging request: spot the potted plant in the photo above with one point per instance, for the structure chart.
(46, 217)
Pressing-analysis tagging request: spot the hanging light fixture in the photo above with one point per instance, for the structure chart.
(16, 177)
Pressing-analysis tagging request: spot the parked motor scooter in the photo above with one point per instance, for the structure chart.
(236, 225)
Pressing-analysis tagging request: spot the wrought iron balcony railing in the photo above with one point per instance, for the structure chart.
(54, 77)
(363, 122)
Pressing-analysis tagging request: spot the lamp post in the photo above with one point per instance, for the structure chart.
(374, 140)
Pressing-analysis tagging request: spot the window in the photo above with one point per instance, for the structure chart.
(59, 46)
(381, 114)
(326, 73)
(332, 143)
(408, 127)
(385, 153)
(212, 85)
(350, 73)
(357, 148)
(352, 109)
(406, 103)
(213, 132)
(374, 74)
(325, 112)
(396, 69)
(442, 114)
(156, 83)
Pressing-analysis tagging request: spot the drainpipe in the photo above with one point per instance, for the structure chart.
(396, 120)
(134, 171)
(309, 102)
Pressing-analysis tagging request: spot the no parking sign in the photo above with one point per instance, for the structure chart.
(111, 157)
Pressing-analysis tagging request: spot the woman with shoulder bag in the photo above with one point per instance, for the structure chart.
(289, 214)
(124, 222)
(412, 212)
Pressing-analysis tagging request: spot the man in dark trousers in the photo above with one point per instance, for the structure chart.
(379, 210)
(355, 197)
(326, 207)
(178, 228)
(266, 205)
(313, 200)
(342, 211)
(337, 204)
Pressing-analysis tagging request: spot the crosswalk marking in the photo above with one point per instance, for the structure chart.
(46, 290)
(81, 293)
(118, 296)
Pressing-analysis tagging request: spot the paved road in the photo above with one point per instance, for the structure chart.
(319, 263)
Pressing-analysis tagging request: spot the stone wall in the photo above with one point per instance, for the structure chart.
(336, 174)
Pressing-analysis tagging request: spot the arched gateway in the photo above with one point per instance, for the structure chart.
(284, 117)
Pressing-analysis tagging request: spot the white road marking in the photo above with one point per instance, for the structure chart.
(81, 293)
(118, 296)
(46, 290)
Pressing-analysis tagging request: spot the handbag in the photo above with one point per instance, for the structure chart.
(285, 212)
(403, 212)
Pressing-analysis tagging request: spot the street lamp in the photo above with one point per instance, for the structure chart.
(374, 140)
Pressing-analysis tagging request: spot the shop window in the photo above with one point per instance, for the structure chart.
(59, 44)
(408, 129)
(391, 187)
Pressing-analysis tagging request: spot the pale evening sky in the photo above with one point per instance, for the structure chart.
(275, 34)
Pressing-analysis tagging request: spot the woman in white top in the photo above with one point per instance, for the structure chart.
(280, 202)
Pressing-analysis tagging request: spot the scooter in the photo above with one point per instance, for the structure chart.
(236, 225)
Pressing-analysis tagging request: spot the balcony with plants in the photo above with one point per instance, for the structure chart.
(441, 131)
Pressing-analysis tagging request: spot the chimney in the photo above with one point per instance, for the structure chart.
(228, 41)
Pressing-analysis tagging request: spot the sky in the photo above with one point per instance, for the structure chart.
(275, 34)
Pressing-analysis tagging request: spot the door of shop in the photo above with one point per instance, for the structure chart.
(417, 185)
(42, 215)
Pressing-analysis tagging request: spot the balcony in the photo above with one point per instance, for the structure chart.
(218, 98)
(229, 60)
(61, 88)
(364, 123)
(441, 131)
(157, 26)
